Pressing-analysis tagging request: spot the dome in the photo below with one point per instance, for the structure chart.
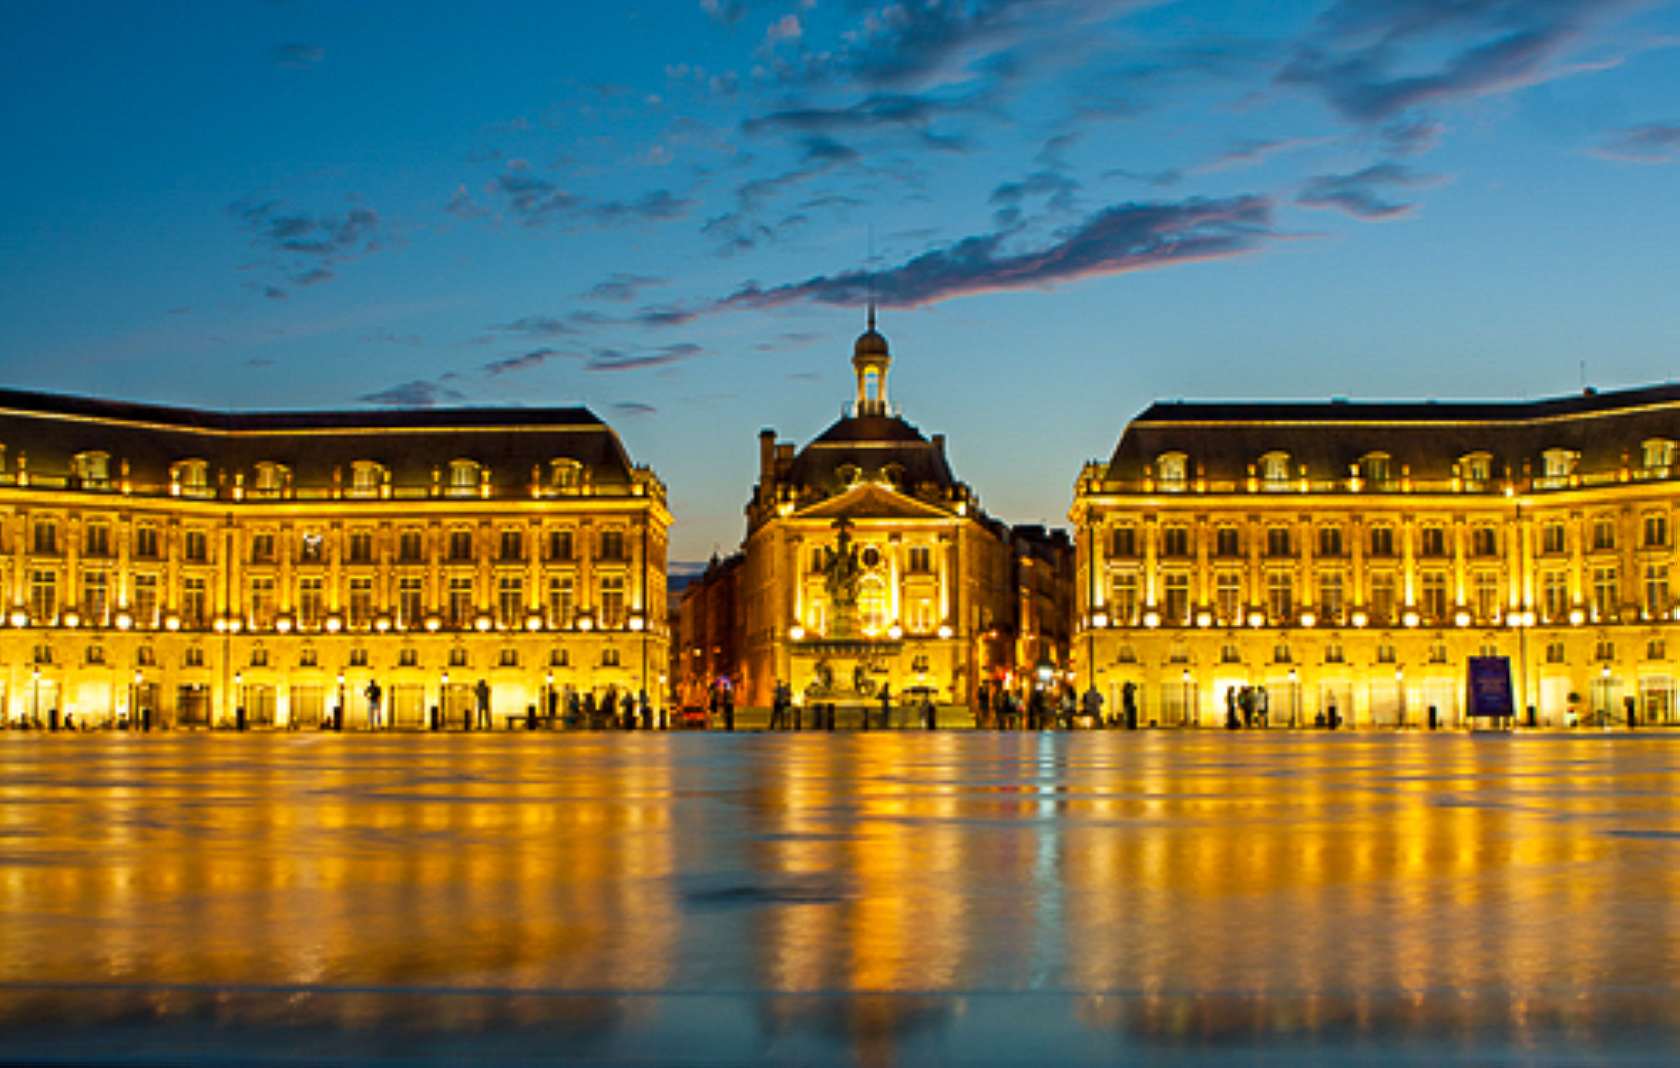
(870, 344)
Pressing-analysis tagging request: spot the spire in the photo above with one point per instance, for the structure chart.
(872, 312)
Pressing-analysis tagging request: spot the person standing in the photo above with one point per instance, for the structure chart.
(482, 692)
(886, 706)
(373, 694)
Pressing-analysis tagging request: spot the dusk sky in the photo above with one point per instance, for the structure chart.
(674, 213)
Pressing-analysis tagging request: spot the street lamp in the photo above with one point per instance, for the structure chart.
(1294, 696)
(1604, 689)
(35, 708)
(338, 719)
(548, 696)
(1184, 678)
(135, 717)
(239, 700)
(1400, 686)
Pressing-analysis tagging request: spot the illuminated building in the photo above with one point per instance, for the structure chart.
(868, 562)
(1356, 555)
(190, 563)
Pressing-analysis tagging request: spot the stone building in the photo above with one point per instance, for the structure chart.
(1355, 555)
(191, 563)
(867, 562)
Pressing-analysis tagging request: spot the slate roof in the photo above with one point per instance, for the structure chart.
(871, 443)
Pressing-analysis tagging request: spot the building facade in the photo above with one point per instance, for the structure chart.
(706, 637)
(868, 564)
(1352, 557)
(190, 564)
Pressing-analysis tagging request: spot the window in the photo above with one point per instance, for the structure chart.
(269, 480)
(1603, 532)
(46, 536)
(410, 601)
(1656, 530)
(1476, 468)
(1382, 596)
(1172, 470)
(460, 546)
(1281, 653)
(1554, 652)
(463, 478)
(460, 602)
(408, 656)
(1434, 604)
(358, 657)
(1656, 590)
(1657, 455)
(96, 597)
(1280, 595)
(457, 657)
(1123, 600)
(1229, 653)
(259, 657)
(43, 654)
(1552, 537)
(194, 657)
(307, 657)
(1227, 594)
(513, 545)
(1125, 541)
(1329, 541)
(1554, 595)
(921, 559)
(1333, 653)
(1604, 591)
(510, 600)
(96, 539)
(145, 656)
(509, 657)
(1175, 540)
(1382, 540)
(146, 542)
(1604, 650)
(1385, 653)
(612, 544)
(559, 545)
(146, 600)
(612, 604)
(565, 474)
(1277, 541)
(43, 596)
(609, 657)
(1376, 469)
(559, 601)
(361, 546)
(1177, 600)
(558, 658)
(93, 469)
(410, 547)
(195, 546)
(1558, 464)
(1656, 649)
(1485, 587)
(261, 602)
(311, 601)
(1438, 652)
(195, 602)
(262, 548)
(921, 616)
(1274, 470)
(1126, 655)
(365, 478)
(1432, 541)
(192, 476)
(1330, 600)
(1484, 540)
(361, 602)
(1227, 541)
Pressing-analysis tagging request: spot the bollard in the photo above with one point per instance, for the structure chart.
(1531, 716)
(434, 721)
(239, 718)
(1433, 717)
(530, 717)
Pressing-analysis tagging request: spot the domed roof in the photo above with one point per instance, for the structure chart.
(870, 343)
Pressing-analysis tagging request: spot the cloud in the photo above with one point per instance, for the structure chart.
(536, 201)
(418, 393)
(462, 206)
(1250, 153)
(389, 338)
(298, 56)
(728, 12)
(274, 293)
(660, 204)
(605, 359)
(1058, 190)
(1158, 179)
(1652, 142)
(534, 358)
(1412, 138)
(877, 112)
(1116, 240)
(1372, 59)
(665, 315)
(1364, 194)
(313, 276)
(622, 287)
(538, 326)
(305, 246)
(786, 28)
(634, 408)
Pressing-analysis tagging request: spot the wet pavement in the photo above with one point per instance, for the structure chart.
(1178, 898)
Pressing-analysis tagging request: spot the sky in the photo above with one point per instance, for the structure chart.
(674, 213)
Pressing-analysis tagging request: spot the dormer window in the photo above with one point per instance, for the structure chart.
(893, 474)
(1476, 468)
(1377, 469)
(565, 474)
(366, 476)
(191, 477)
(1172, 470)
(93, 469)
(269, 478)
(849, 474)
(1559, 463)
(1657, 456)
(1274, 469)
(464, 477)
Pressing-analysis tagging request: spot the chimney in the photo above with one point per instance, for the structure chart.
(939, 444)
(766, 458)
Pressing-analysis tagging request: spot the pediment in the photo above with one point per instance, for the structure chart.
(872, 500)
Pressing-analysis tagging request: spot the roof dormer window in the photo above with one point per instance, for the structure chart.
(1657, 456)
(1559, 464)
(565, 474)
(1377, 469)
(1476, 468)
(269, 478)
(92, 469)
(1274, 469)
(190, 477)
(464, 477)
(366, 476)
(1172, 470)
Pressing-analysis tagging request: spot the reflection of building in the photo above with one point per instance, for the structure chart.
(707, 632)
(188, 561)
(1358, 554)
(867, 562)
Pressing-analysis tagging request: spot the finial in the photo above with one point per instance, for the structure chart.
(871, 313)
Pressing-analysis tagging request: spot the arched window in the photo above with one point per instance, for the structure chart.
(269, 478)
(1377, 469)
(565, 474)
(92, 469)
(191, 477)
(464, 478)
(1172, 470)
(872, 604)
(1274, 469)
(366, 476)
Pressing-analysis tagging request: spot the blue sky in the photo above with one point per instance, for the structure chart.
(672, 211)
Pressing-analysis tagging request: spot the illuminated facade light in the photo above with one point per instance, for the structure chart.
(1100, 620)
(283, 624)
(637, 622)
(124, 621)
(19, 618)
(72, 618)
(382, 624)
(1256, 619)
(1411, 618)
(945, 630)
(1359, 619)
(433, 624)
(172, 622)
(585, 622)
(1577, 617)
(533, 622)
(483, 623)
(1461, 618)
(895, 632)
(334, 624)
(796, 632)
(1308, 619)
(1152, 619)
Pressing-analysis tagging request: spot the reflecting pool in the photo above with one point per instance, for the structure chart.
(877, 899)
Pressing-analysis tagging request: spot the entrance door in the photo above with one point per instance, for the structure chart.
(308, 703)
(457, 705)
(1385, 703)
(192, 705)
(408, 706)
(259, 706)
(1334, 694)
(1656, 700)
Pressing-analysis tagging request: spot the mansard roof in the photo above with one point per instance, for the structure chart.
(876, 445)
(52, 428)
(1223, 439)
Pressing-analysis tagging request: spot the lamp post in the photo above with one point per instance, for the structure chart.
(238, 700)
(1189, 720)
(1604, 698)
(443, 700)
(338, 716)
(1294, 697)
(548, 697)
(1400, 688)
(35, 706)
(136, 715)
